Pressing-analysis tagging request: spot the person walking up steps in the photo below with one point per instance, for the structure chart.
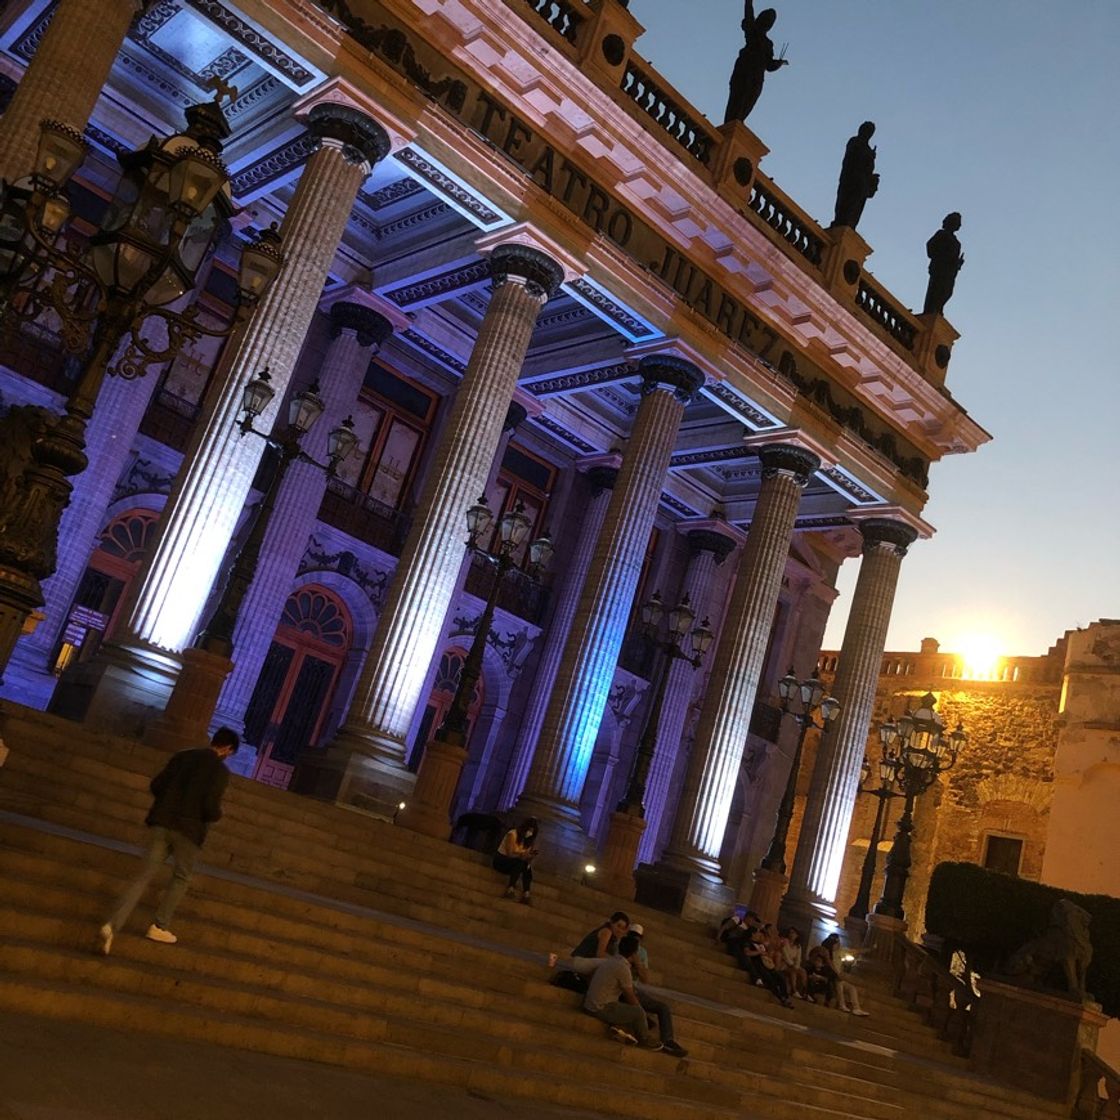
(187, 795)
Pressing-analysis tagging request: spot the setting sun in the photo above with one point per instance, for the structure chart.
(980, 654)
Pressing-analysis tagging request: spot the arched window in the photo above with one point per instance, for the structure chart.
(449, 673)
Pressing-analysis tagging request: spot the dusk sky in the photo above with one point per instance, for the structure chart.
(1005, 110)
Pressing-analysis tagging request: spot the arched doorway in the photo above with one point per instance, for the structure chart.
(297, 682)
(103, 588)
(448, 674)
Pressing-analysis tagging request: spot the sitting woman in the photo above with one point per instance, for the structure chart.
(762, 968)
(818, 972)
(791, 960)
(515, 858)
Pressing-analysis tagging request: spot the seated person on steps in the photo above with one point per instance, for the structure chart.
(847, 996)
(600, 942)
(515, 856)
(651, 1004)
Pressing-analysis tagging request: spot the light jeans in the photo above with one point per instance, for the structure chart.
(165, 843)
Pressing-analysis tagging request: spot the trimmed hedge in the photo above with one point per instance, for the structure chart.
(988, 915)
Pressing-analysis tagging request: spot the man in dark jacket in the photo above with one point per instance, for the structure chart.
(187, 796)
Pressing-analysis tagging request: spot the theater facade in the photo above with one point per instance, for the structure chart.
(526, 269)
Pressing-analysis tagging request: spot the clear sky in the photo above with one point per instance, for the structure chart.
(1006, 110)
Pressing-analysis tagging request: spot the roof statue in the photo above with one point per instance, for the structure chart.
(755, 61)
(945, 261)
(858, 181)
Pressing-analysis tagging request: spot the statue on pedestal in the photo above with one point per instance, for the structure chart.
(755, 61)
(945, 261)
(1066, 948)
(858, 181)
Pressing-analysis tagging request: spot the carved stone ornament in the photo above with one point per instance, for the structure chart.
(879, 531)
(371, 327)
(602, 478)
(707, 540)
(661, 371)
(542, 276)
(779, 457)
(363, 140)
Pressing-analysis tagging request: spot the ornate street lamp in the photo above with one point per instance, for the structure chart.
(886, 790)
(804, 701)
(112, 298)
(924, 752)
(513, 529)
(678, 628)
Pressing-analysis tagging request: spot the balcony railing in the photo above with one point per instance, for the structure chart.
(1098, 1095)
(519, 594)
(668, 111)
(170, 419)
(364, 518)
(787, 220)
(892, 319)
(562, 17)
(38, 354)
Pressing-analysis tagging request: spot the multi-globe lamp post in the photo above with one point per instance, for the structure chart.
(924, 751)
(810, 706)
(429, 807)
(885, 791)
(668, 631)
(114, 298)
(190, 707)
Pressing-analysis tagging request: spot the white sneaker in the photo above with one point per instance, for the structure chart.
(623, 1036)
(158, 933)
(105, 939)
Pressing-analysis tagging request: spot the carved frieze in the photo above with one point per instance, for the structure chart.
(317, 559)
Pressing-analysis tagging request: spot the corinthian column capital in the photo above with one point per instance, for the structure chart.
(522, 264)
(362, 139)
(885, 534)
(668, 371)
(786, 458)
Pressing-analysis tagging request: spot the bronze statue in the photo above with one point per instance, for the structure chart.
(858, 181)
(1066, 944)
(755, 61)
(945, 261)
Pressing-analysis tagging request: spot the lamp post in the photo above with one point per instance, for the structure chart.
(884, 793)
(190, 707)
(428, 810)
(113, 298)
(620, 851)
(804, 700)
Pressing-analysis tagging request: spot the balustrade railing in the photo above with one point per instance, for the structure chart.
(519, 594)
(562, 17)
(364, 518)
(1098, 1096)
(895, 321)
(944, 1000)
(781, 215)
(668, 111)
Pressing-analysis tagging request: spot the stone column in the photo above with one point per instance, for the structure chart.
(709, 545)
(370, 747)
(357, 331)
(721, 733)
(214, 483)
(583, 680)
(832, 788)
(65, 77)
(602, 473)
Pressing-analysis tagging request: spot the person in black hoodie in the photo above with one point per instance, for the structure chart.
(187, 796)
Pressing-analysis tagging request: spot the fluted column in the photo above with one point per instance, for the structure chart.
(832, 789)
(371, 743)
(357, 331)
(709, 547)
(68, 71)
(214, 483)
(602, 477)
(721, 733)
(583, 680)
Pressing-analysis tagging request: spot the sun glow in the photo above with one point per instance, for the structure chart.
(980, 655)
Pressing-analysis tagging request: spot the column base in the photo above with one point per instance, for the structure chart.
(880, 943)
(27, 679)
(566, 849)
(766, 894)
(428, 809)
(20, 598)
(815, 919)
(620, 854)
(1032, 1041)
(697, 895)
(120, 690)
(185, 722)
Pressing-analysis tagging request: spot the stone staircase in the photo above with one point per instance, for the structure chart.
(319, 933)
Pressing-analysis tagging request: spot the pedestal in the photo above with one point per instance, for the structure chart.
(814, 921)
(736, 161)
(880, 943)
(843, 262)
(566, 849)
(766, 894)
(185, 722)
(694, 895)
(357, 778)
(428, 810)
(19, 598)
(934, 346)
(620, 854)
(1032, 1041)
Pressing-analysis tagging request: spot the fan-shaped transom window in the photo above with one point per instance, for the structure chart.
(314, 611)
(129, 536)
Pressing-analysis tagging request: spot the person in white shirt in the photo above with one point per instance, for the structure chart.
(515, 857)
(847, 995)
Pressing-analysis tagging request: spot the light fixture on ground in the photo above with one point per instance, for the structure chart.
(620, 851)
(429, 808)
(884, 791)
(804, 701)
(113, 298)
(207, 663)
(925, 751)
